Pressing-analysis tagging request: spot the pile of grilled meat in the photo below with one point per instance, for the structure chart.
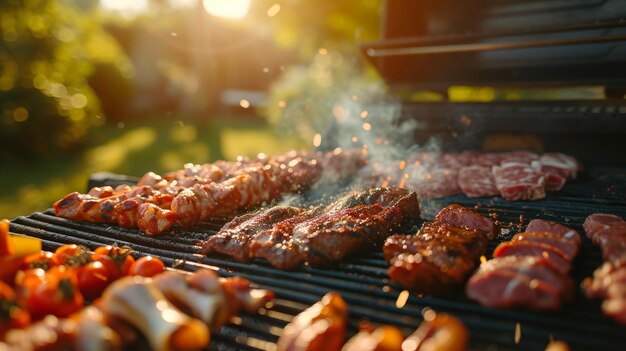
(222, 189)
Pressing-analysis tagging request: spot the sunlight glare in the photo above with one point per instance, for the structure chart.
(124, 7)
(233, 9)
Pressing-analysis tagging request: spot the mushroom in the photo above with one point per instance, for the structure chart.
(139, 302)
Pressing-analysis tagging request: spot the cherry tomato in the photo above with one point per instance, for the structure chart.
(71, 255)
(147, 266)
(53, 292)
(93, 278)
(44, 260)
(117, 259)
(11, 314)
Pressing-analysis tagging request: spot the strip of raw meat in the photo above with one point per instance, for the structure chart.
(519, 282)
(530, 248)
(520, 156)
(608, 281)
(568, 247)
(435, 183)
(477, 181)
(457, 215)
(234, 240)
(519, 181)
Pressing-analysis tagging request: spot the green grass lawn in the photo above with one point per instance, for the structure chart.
(157, 146)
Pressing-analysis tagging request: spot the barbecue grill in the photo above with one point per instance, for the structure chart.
(495, 43)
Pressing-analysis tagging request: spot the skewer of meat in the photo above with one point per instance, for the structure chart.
(609, 280)
(442, 254)
(529, 271)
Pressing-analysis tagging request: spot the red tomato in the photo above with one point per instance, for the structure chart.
(117, 259)
(44, 260)
(11, 314)
(53, 292)
(93, 278)
(71, 255)
(147, 266)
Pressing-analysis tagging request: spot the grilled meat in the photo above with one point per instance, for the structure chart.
(441, 254)
(325, 240)
(457, 215)
(233, 240)
(276, 245)
(320, 327)
(438, 257)
(404, 199)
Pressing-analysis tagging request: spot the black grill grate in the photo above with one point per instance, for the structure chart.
(363, 281)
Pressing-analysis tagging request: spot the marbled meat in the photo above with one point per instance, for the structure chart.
(519, 181)
(609, 281)
(477, 181)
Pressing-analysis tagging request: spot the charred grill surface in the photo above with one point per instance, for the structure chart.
(362, 279)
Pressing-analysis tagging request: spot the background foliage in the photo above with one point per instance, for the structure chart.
(48, 50)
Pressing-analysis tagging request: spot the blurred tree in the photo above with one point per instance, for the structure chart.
(48, 50)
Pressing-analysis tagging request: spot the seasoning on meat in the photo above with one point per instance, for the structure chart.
(325, 240)
(233, 240)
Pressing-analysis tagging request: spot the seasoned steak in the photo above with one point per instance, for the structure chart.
(404, 199)
(326, 239)
(276, 244)
(234, 238)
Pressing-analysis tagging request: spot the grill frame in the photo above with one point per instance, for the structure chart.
(362, 279)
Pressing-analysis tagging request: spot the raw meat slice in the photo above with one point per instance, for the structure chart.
(540, 225)
(488, 159)
(519, 181)
(528, 248)
(477, 181)
(600, 221)
(519, 282)
(518, 156)
(562, 163)
(435, 183)
(569, 247)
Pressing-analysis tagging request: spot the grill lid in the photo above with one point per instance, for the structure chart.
(435, 44)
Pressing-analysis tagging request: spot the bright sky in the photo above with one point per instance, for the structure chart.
(233, 9)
